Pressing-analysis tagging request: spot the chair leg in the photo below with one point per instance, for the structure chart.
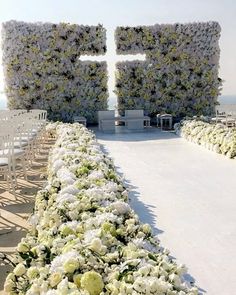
(12, 183)
(14, 170)
(7, 180)
(29, 154)
(24, 167)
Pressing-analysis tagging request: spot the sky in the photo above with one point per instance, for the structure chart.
(113, 13)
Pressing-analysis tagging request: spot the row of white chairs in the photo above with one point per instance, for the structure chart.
(228, 119)
(22, 134)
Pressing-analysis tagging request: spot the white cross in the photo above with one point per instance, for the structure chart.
(112, 58)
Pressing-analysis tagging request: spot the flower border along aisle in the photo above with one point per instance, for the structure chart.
(85, 238)
(216, 137)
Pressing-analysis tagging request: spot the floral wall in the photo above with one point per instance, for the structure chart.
(180, 73)
(42, 68)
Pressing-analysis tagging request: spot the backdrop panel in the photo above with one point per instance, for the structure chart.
(180, 73)
(42, 68)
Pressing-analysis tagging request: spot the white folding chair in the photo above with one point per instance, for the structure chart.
(5, 159)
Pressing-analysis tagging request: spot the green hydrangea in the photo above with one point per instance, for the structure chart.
(92, 282)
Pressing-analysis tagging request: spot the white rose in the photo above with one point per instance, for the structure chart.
(19, 270)
(63, 287)
(175, 280)
(145, 270)
(146, 228)
(55, 279)
(96, 245)
(181, 269)
(43, 271)
(8, 286)
(22, 247)
(32, 272)
(10, 276)
(71, 265)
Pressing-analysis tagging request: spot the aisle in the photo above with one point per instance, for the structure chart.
(188, 195)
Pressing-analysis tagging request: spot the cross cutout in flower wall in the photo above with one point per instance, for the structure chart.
(161, 68)
(112, 58)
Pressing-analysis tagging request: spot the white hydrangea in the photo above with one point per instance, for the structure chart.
(58, 164)
(96, 174)
(121, 207)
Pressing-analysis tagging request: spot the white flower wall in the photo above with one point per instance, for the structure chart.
(180, 73)
(42, 68)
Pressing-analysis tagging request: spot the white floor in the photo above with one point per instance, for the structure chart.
(188, 195)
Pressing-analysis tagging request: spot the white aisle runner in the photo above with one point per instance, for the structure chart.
(187, 192)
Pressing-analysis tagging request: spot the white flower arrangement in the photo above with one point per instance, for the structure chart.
(92, 242)
(180, 73)
(42, 68)
(215, 137)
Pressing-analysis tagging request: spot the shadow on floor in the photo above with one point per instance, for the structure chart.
(122, 134)
(145, 211)
(15, 210)
(146, 214)
(6, 237)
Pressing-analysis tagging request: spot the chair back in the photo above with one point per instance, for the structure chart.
(106, 115)
(6, 144)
